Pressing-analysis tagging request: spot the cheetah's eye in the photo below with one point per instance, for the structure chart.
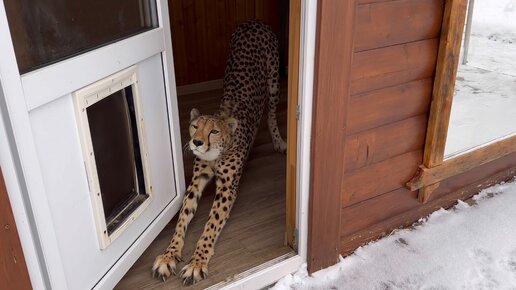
(194, 126)
(214, 131)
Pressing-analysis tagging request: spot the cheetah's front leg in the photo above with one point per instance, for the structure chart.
(197, 268)
(166, 263)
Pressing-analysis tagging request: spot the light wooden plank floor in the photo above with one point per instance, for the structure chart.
(255, 231)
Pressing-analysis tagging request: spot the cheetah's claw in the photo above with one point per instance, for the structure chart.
(194, 272)
(165, 265)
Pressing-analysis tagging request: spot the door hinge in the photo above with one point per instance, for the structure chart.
(298, 112)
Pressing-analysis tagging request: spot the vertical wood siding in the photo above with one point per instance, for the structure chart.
(201, 30)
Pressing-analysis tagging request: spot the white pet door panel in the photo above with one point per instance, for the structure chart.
(115, 152)
(105, 154)
(102, 109)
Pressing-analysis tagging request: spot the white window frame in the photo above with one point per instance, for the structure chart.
(85, 98)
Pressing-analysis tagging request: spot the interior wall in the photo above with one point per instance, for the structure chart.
(379, 111)
(201, 30)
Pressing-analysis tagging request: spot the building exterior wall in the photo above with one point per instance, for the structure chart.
(378, 110)
(394, 59)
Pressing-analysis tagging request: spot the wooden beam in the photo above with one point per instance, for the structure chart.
(444, 84)
(333, 59)
(462, 163)
(424, 193)
(293, 86)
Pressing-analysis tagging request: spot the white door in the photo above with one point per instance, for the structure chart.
(67, 57)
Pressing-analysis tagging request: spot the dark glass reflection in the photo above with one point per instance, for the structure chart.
(116, 147)
(46, 31)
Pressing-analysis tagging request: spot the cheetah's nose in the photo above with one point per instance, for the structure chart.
(197, 142)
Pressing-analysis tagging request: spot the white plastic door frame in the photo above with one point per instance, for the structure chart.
(20, 157)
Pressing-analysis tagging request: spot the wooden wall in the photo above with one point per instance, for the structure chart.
(13, 270)
(395, 53)
(201, 30)
(376, 96)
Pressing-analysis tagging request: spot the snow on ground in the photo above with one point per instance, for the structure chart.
(484, 105)
(467, 247)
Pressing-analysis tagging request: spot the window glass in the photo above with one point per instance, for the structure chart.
(484, 103)
(46, 31)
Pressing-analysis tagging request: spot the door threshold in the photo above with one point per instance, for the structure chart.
(262, 275)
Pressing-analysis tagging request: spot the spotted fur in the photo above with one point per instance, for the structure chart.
(222, 142)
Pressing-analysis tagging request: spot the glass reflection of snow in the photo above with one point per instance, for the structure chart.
(484, 104)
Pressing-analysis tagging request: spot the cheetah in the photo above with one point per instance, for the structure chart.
(221, 143)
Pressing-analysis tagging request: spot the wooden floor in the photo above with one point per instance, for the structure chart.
(255, 231)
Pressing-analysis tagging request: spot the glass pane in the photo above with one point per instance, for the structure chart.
(114, 135)
(46, 31)
(484, 104)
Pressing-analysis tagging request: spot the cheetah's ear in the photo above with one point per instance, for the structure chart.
(232, 124)
(194, 113)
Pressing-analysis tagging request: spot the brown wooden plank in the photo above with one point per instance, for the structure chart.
(383, 24)
(464, 187)
(335, 32)
(375, 210)
(392, 104)
(379, 178)
(463, 162)
(372, 1)
(393, 65)
(384, 142)
(293, 84)
(13, 269)
(456, 182)
(178, 41)
(444, 86)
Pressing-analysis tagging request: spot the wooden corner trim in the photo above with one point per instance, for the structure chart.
(332, 82)
(461, 163)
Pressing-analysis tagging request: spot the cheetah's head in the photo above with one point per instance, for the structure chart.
(210, 135)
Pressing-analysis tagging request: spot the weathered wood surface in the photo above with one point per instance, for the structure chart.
(444, 85)
(462, 163)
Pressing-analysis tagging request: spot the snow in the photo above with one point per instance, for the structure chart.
(484, 104)
(466, 247)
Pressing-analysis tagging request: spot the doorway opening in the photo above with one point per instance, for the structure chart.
(261, 230)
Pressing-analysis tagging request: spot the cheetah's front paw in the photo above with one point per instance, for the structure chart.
(165, 265)
(194, 272)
